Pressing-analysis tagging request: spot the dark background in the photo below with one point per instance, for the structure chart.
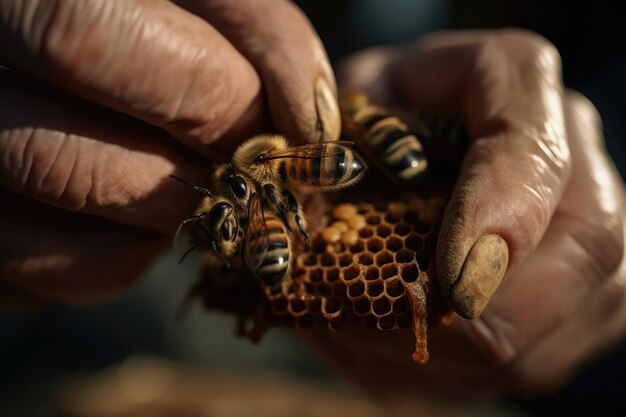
(37, 352)
(591, 38)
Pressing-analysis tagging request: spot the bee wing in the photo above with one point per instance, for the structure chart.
(257, 236)
(311, 150)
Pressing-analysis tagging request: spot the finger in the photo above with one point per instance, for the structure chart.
(149, 59)
(369, 71)
(367, 358)
(581, 249)
(280, 42)
(69, 257)
(508, 85)
(74, 155)
(590, 331)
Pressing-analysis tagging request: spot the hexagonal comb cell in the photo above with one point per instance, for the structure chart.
(379, 278)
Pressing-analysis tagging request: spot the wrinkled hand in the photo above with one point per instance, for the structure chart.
(120, 78)
(537, 180)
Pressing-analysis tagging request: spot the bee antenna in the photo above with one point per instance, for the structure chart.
(195, 187)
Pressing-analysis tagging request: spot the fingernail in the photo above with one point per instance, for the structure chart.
(482, 272)
(328, 115)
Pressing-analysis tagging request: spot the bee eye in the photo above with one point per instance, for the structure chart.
(239, 187)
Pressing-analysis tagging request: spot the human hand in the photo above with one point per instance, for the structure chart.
(86, 153)
(538, 181)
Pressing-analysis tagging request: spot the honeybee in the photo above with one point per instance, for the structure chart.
(280, 170)
(215, 227)
(254, 205)
(322, 166)
(384, 137)
(218, 223)
(267, 250)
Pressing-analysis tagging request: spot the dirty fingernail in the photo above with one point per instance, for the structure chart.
(328, 115)
(482, 272)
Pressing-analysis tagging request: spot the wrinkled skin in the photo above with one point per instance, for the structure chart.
(538, 175)
(127, 88)
(192, 76)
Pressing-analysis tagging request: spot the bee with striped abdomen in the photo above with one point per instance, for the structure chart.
(267, 247)
(282, 171)
(322, 166)
(255, 206)
(384, 138)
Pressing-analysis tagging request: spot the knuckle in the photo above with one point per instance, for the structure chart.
(580, 106)
(530, 48)
(51, 175)
(530, 43)
(606, 245)
(67, 41)
(214, 119)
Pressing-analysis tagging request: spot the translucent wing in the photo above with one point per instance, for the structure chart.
(311, 150)
(257, 236)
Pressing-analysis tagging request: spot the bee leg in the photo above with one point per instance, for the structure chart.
(275, 200)
(301, 229)
(180, 261)
(219, 255)
(295, 210)
(271, 195)
(182, 224)
(237, 249)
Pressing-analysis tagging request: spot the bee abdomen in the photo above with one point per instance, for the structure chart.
(276, 263)
(405, 159)
(389, 141)
(332, 171)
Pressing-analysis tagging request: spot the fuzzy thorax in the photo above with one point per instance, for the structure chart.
(245, 158)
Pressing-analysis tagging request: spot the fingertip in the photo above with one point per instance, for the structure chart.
(584, 110)
(482, 272)
(329, 118)
(277, 38)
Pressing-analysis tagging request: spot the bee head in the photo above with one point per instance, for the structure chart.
(235, 187)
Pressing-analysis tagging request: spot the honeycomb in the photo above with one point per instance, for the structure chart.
(371, 261)
(369, 265)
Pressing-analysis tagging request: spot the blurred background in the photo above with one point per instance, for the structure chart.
(44, 355)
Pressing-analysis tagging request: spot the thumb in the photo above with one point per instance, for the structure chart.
(508, 86)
